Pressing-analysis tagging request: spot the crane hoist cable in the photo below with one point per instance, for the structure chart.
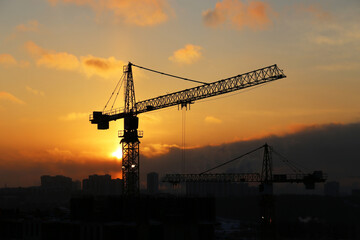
(291, 164)
(170, 75)
(121, 80)
(220, 165)
(296, 167)
(148, 69)
(183, 159)
(117, 94)
(183, 132)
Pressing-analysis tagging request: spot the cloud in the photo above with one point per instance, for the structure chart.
(211, 119)
(279, 131)
(62, 61)
(340, 67)
(326, 40)
(153, 150)
(74, 116)
(187, 55)
(77, 2)
(88, 65)
(52, 59)
(30, 26)
(59, 153)
(140, 12)
(337, 36)
(332, 148)
(7, 60)
(25, 168)
(255, 15)
(316, 147)
(153, 118)
(316, 11)
(9, 97)
(103, 67)
(34, 91)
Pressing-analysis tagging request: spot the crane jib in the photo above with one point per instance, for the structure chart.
(238, 82)
(257, 77)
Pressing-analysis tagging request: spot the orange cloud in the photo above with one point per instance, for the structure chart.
(318, 12)
(187, 55)
(254, 15)
(59, 153)
(34, 91)
(88, 65)
(24, 167)
(74, 116)
(139, 12)
(9, 97)
(52, 59)
(103, 67)
(30, 26)
(211, 119)
(77, 2)
(153, 150)
(315, 10)
(7, 60)
(340, 67)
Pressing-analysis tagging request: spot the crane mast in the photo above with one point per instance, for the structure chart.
(130, 138)
(130, 135)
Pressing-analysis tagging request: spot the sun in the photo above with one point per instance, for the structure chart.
(117, 153)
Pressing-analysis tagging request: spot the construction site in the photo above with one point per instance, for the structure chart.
(200, 184)
(216, 203)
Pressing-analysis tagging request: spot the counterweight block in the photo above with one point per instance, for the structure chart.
(101, 120)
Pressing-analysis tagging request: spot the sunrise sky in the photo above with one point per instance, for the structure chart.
(61, 59)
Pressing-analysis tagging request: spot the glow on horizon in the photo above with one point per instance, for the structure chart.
(118, 153)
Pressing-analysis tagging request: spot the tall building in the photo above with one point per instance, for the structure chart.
(102, 185)
(56, 183)
(355, 192)
(76, 185)
(332, 189)
(153, 183)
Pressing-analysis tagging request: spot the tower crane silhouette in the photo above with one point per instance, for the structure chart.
(266, 178)
(130, 135)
